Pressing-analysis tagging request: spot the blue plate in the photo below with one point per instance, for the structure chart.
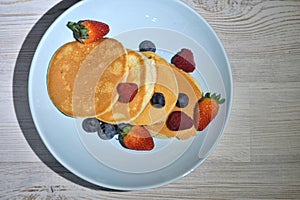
(171, 25)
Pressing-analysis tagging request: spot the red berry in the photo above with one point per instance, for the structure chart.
(184, 60)
(178, 120)
(206, 110)
(136, 138)
(88, 31)
(127, 92)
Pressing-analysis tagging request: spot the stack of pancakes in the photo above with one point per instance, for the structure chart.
(83, 79)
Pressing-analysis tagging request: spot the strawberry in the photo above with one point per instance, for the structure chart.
(178, 120)
(88, 31)
(127, 92)
(206, 110)
(184, 60)
(136, 138)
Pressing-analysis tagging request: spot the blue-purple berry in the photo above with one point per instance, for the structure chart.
(107, 131)
(147, 45)
(158, 100)
(182, 101)
(90, 125)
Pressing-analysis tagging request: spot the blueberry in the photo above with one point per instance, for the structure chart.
(91, 125)
(158, 100)
(147, 45)
(182, 100)
(107, 131)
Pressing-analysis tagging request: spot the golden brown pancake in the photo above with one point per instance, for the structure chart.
(142, 72)
(82, 76)
(167, 85)
(62, 73)
(188, 86)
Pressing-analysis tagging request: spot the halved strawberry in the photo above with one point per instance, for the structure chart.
(136, 138)
(206, 110)
(127, 92)
(184, 60)
(88, 31)
(178, 120)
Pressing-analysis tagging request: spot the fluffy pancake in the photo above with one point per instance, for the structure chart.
(82, 76)
(62, 72)
(166, 84)
(142, 72)
(188, 86)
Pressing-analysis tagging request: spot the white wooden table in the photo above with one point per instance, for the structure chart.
(258, 156)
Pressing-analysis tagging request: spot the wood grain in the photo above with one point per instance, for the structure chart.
(258, 156)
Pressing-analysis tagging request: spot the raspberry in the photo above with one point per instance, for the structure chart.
(184, 60)
(127, 92)
(178, 120)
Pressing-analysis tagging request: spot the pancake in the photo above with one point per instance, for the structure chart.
(166, 84)
(142, 72)
(82, 76)
(188, 86)
(62, 72)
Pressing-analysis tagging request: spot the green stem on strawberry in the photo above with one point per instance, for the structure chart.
(126, 130)
(80, 32)
(215, 97)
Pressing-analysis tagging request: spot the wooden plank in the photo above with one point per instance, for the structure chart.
(275, 119)
(214, 180)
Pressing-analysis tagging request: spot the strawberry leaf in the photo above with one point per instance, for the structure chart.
(126, 130)
(80, 32)
(221, 101)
